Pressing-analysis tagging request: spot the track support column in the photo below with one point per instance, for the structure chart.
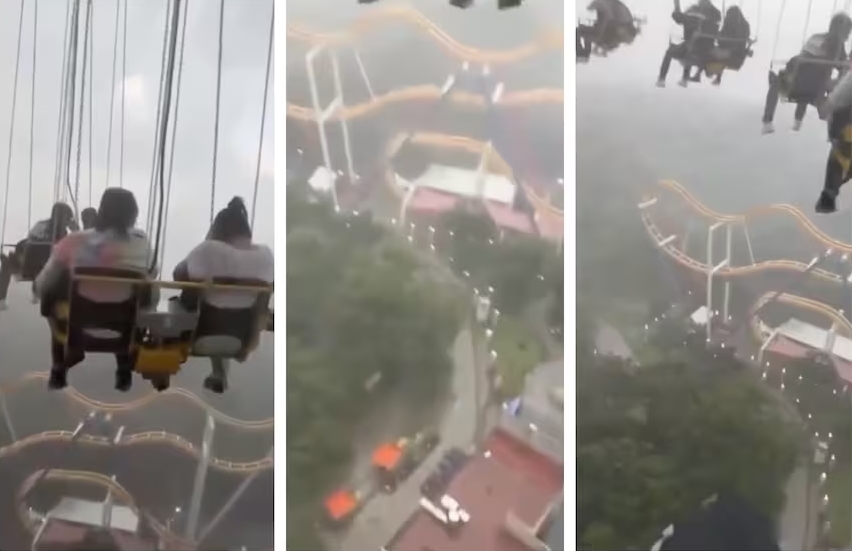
(725, 316)
(10, 426)
(200, 478)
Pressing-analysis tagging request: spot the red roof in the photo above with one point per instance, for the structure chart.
(429, 200)
(513, 478)
(506, 217)
(792, 349)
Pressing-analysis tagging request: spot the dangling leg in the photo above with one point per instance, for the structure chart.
(124, 371)
(217, 381)
(670, 54)
(799, 116)
(8, 264)
(772, 98)
(58, 374)
(834, 179)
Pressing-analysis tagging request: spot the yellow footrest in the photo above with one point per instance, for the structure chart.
(160, 361)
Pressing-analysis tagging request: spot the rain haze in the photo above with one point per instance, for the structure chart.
(97, 158)
(415, 394)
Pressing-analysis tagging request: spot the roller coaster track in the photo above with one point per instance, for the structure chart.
(800, 302)
(428, 92)
(495, 162)
(733, 271)
(138, 439)
(148, 399)
(687, 261)
(548, 40)
(788, 210)
(120, 494)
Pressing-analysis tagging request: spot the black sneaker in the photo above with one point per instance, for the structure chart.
(58, 379)
(827, 203)
(214, 384)
(123, 380)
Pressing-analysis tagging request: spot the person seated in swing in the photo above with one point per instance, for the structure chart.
(837, 111)
(227, 252)
(700, 26)
(40, 239)
(807, 77)
(113, 242)
(89, 217)
(732, 45)
(614, 25)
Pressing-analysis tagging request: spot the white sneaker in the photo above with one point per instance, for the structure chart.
(768, 128)
(797, 125)
(661, 83)
(682, 83)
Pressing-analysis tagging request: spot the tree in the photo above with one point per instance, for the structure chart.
(654, 441)
(358, 305)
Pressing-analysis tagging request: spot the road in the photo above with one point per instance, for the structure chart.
(382, 516)
(794, 526)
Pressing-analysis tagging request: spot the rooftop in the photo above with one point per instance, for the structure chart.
(507, 489)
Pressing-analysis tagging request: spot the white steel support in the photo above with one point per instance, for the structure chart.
(649, 203)
(200, 478)
(10, 426)
(765, 345)
(481, 170)
(231, 502)
(318, 116)
(748, 242)
(106, 513)
(711, 271)
(363, 72)
(344, 127)
(40, 532)
(830, 339)
(665, 242)
(729, 231)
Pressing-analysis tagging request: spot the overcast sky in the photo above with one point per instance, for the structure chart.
(243, 70)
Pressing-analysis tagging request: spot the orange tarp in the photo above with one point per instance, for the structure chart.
(339, 504)
(387, 456)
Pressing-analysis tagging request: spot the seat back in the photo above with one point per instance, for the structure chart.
(35, 255)
(106, 323)
(227, 331)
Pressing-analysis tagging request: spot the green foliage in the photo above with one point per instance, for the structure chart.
(358, 304)
(517, 267)
(654, 441)
(518, 352)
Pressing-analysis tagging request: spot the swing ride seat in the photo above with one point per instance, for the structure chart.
(792, 88)
(706, 61)
(82, 325)
(160, 341)
(225, 333)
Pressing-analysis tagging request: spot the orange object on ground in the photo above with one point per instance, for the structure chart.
(340, 504)
(387, 456)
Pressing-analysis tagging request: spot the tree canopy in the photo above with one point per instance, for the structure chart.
(654, 441)
(518, 267)
(360, 303)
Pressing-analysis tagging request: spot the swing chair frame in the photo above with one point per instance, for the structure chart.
(712, 67)
(597, 49)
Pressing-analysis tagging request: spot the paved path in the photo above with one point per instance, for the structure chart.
(377, 522)
(795, 527)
